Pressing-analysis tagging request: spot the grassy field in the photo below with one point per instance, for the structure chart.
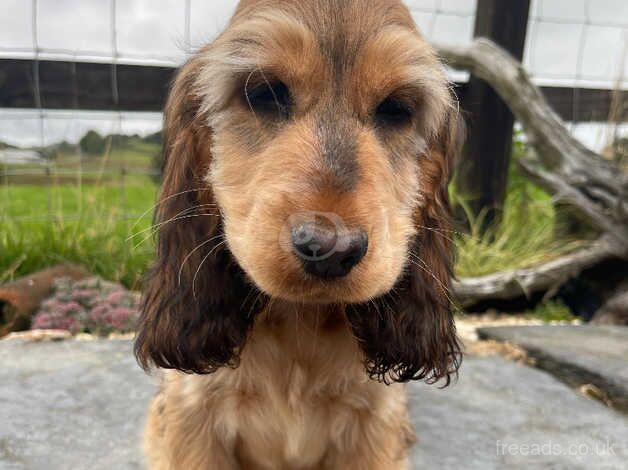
(89, 217)
(91, 225)
(87, 213)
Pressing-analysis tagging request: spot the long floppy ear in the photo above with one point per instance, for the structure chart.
(193, 315)
(409, 334)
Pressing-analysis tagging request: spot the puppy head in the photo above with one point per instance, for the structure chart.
(307, 158)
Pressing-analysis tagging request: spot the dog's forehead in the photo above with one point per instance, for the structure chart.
(331, 7)
(337, 24)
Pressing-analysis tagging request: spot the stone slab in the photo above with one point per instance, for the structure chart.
(595, 354)
(81, 405)
(503, 415)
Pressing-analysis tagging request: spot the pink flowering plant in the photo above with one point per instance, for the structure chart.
(90, 306)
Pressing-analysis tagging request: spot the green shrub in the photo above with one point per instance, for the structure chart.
(93, 144)
(552, 311)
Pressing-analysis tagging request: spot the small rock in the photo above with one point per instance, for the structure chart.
(85, 337)
(39, 335)
(115, 336)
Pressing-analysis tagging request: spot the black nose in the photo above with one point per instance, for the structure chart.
(328, 252)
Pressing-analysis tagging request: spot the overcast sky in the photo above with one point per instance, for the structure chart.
(560, 50)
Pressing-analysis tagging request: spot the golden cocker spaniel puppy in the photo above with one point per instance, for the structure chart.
(303, 255)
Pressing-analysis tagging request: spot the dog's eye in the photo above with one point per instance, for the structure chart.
(392, 112)
(270, 98)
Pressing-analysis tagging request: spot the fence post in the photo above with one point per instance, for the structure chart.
(483, 169)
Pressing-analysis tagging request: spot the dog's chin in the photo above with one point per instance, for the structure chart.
(303, 289)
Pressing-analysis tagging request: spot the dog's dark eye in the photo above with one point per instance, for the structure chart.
(392, 112)
(270, 98)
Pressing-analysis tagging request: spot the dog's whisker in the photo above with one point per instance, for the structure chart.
(419, 262)
(377, 309)
(183, 212)
(246, 298)
(387, 308)
(270, 305)
(178, 219)
(246, 94)
(259, 295)
(161, 201)
(270, 87)
(174, 218)
(213, 250)
(297, 315)
(447, 292)
(439, 230)
(316, 337)
(191, 253)
(255, 302)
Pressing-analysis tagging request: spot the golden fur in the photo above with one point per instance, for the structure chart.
(299, 400)
(274, 369)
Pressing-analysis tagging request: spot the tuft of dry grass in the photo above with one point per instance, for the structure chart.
(529, 231)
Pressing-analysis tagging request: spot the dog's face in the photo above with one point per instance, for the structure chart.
(321, 117)
(319, 135)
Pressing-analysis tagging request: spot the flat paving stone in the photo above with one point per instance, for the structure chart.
(590, 354)
(81, 405)
(503, 415)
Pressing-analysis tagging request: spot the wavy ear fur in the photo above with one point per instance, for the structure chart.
(410, 334)
(193, 315)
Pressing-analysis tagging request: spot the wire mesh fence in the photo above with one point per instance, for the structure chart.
(595, 57)
(575, 43)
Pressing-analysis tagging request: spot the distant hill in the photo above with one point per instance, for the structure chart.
(93, 144)
(4, 145)
(155, 138)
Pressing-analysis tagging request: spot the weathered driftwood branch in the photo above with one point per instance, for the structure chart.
(573, 174)
(524, 282)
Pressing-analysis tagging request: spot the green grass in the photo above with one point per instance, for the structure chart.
(552, 311)
(64, 202)
(91, 226)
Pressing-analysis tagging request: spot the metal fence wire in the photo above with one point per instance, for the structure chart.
(560, 33)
